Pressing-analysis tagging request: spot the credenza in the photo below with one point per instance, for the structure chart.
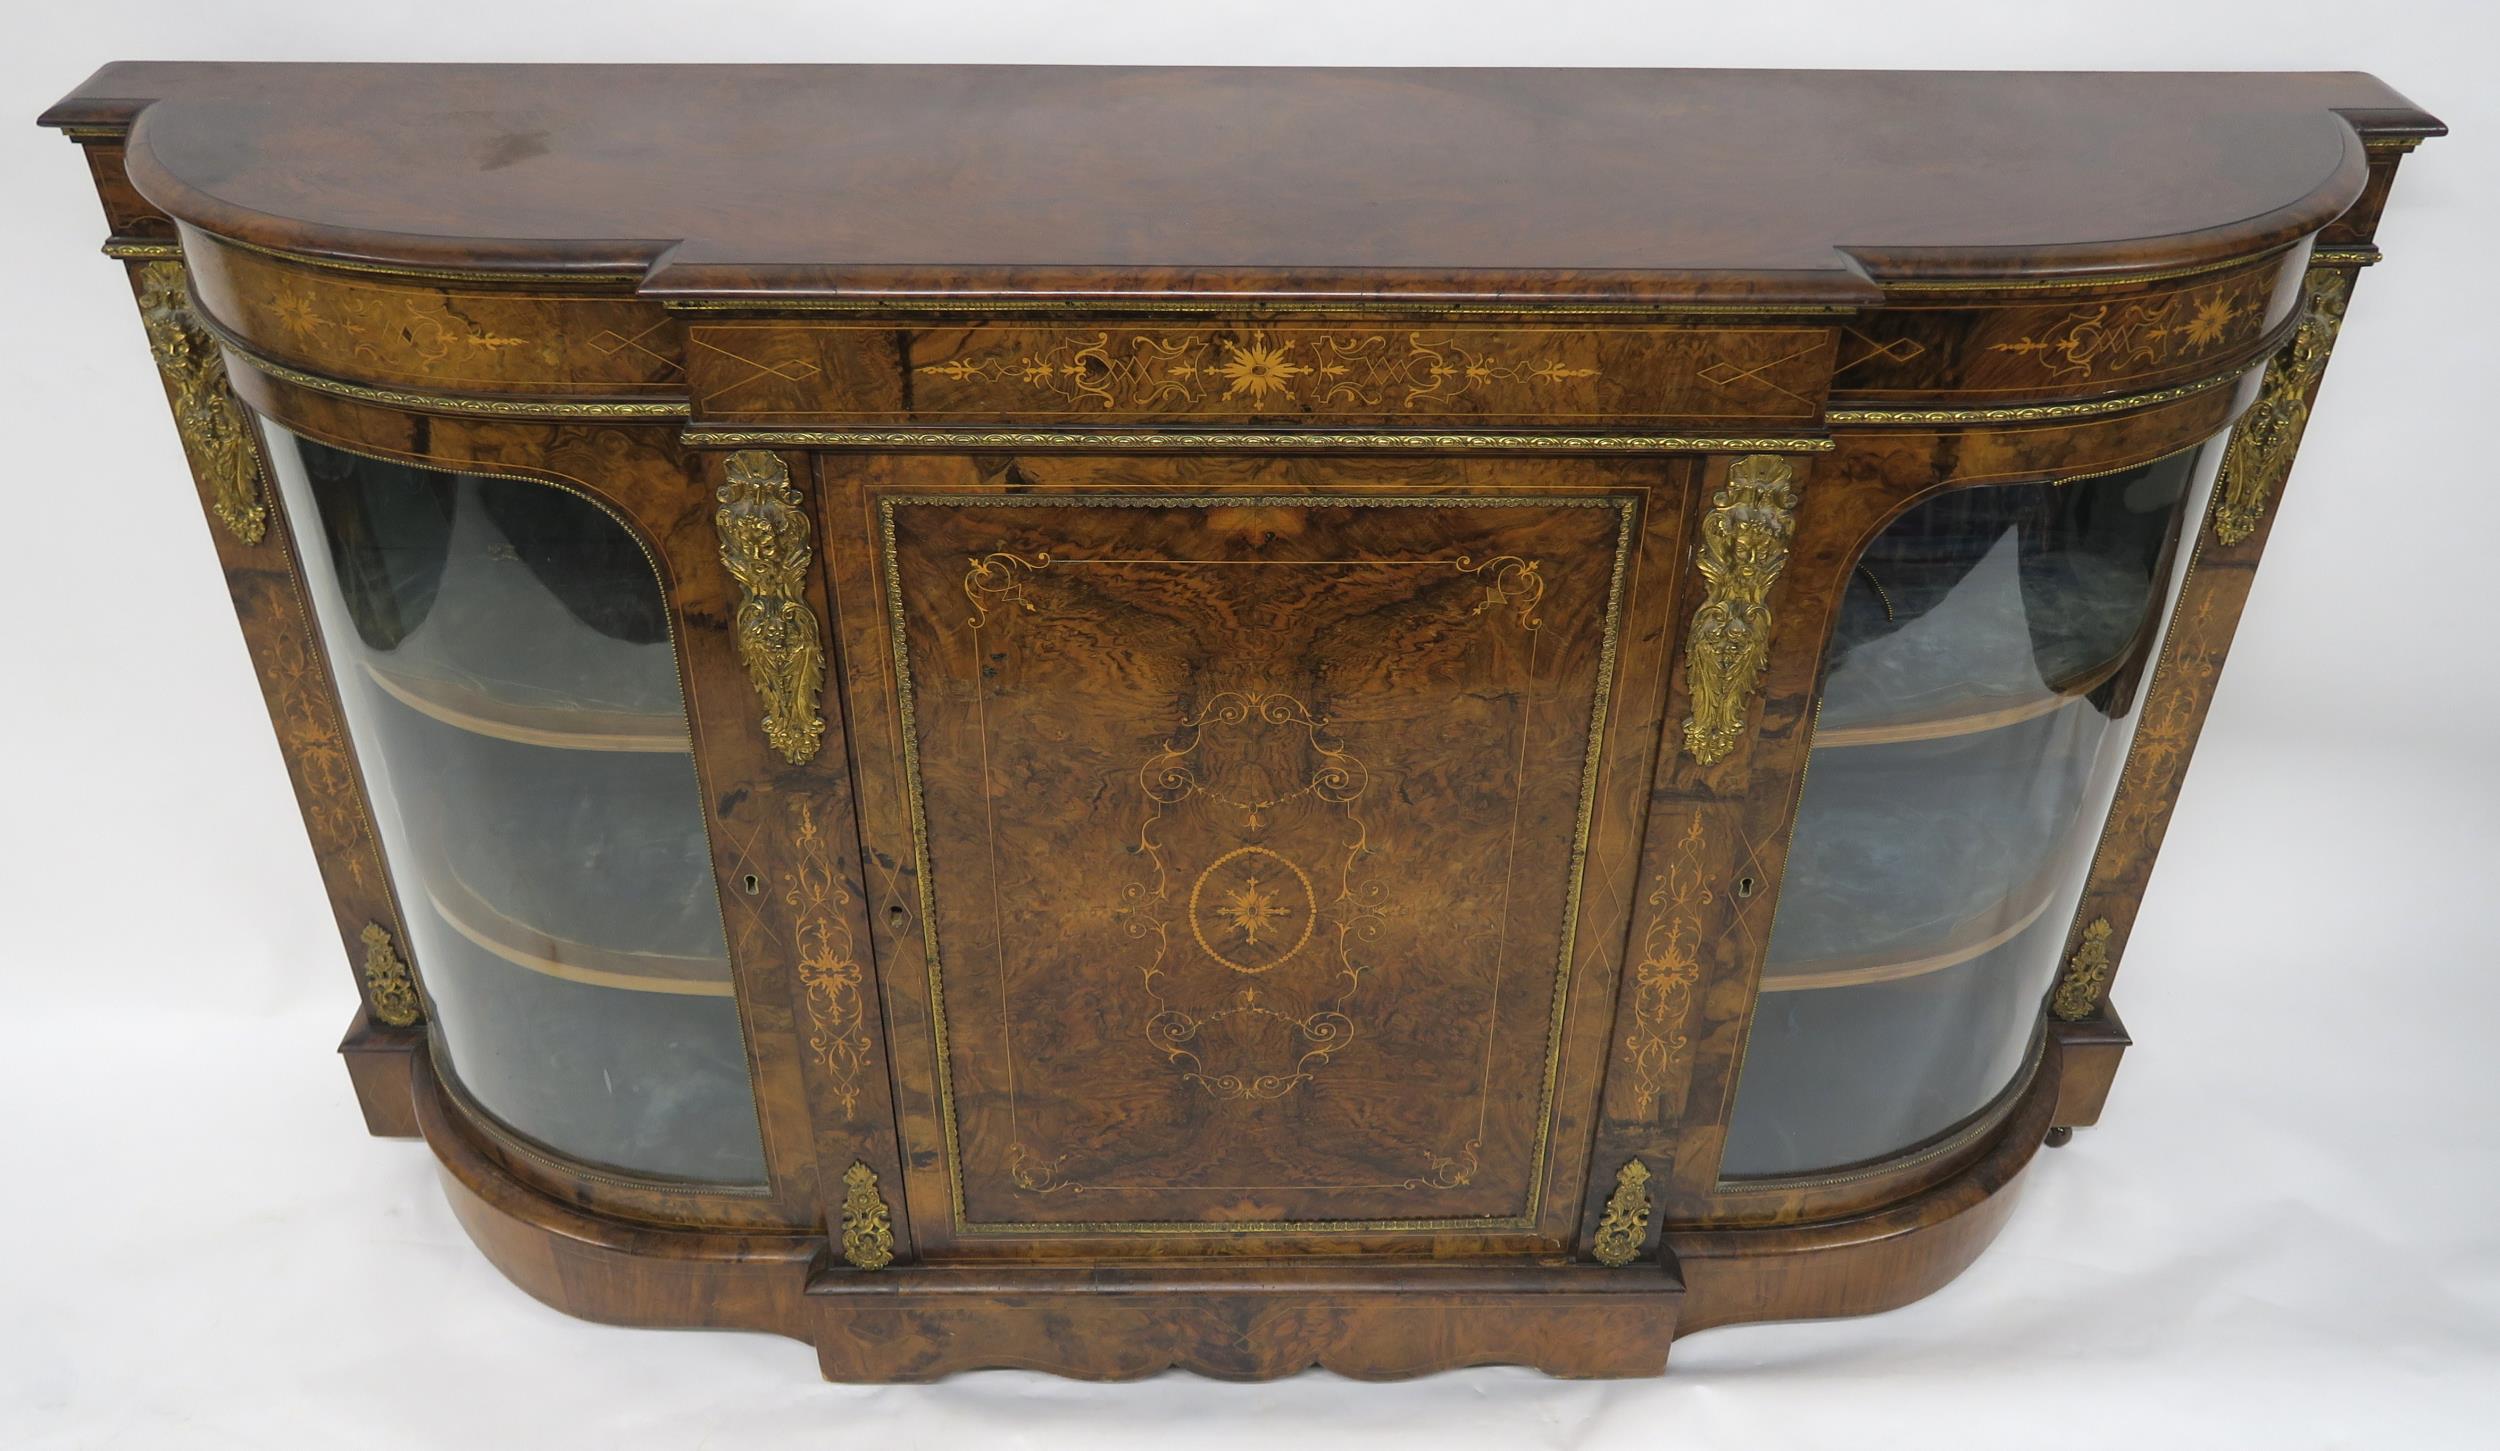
(1104, 719)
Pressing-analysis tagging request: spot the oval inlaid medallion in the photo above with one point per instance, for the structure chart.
(1252, 909)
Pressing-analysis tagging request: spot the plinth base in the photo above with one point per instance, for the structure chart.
(1373, 1318)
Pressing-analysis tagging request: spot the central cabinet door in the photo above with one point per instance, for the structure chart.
(1252, 829)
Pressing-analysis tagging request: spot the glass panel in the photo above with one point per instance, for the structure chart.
(502, 651)
(1977, 702)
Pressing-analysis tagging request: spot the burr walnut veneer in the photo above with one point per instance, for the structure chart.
(1105, 719)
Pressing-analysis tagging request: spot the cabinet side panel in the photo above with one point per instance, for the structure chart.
(2231, 539)
(262, 579)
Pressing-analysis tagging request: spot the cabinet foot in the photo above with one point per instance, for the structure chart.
(377, 1061)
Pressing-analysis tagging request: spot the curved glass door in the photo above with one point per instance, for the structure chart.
(1977, 702)
(502, 652)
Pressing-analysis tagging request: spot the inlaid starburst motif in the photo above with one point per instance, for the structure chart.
(1258, 369)
(2212, 316)
(1250, 911)
(295, 314)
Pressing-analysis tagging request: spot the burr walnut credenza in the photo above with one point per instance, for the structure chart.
(1102, 719)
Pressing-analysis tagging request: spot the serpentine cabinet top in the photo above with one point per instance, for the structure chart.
(1261, 186)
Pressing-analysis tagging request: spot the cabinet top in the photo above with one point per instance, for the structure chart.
(1537, 186)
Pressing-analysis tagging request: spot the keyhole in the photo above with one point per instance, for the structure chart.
(895, 916)
(751, 883)
(1744, 886)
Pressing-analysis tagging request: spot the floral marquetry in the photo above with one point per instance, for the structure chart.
(1419, 374)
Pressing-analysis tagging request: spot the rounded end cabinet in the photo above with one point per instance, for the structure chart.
(1114, 719)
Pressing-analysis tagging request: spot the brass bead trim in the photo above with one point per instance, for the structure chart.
(458, 406)
(867, 1224)
(1625, 1223)
(2025, 286)
(1075, 439)
(1254, 307)
(142, 249)
(463, 407)
(2035, 412)
(2345, 257)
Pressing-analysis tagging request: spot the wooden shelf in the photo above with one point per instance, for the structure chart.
(1971, 717)
(475, 709)
(1976, 938)
(522, 945)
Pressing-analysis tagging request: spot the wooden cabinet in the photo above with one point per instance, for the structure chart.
(1103, 719)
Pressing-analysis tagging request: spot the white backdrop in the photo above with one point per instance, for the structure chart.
(2282, 1235)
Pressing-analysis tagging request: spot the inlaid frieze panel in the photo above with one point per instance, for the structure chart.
(1251, 831)
(789, 372)
(2077, 344)
(440, 333)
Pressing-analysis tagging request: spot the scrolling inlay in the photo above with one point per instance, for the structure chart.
(830, 976)
(1327, 371)
(1744, 545)
(2079, 990)
(1253, 885)
(2261, 448)
(764, 542)
(1669, 967)
(1626, 1220)
(211, 423)
(2120, 339)
(387, 982)
(867, 1224)
(1253, 909)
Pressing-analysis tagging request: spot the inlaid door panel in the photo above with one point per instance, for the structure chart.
(1249, 835)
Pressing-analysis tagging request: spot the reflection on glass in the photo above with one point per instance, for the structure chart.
(1977, 702)
(501, 648)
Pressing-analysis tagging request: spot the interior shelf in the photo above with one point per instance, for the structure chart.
(567, 863)
(479, 709)
(1983, 934)
(1920, 855)
(522, 945)
(1968, 716)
